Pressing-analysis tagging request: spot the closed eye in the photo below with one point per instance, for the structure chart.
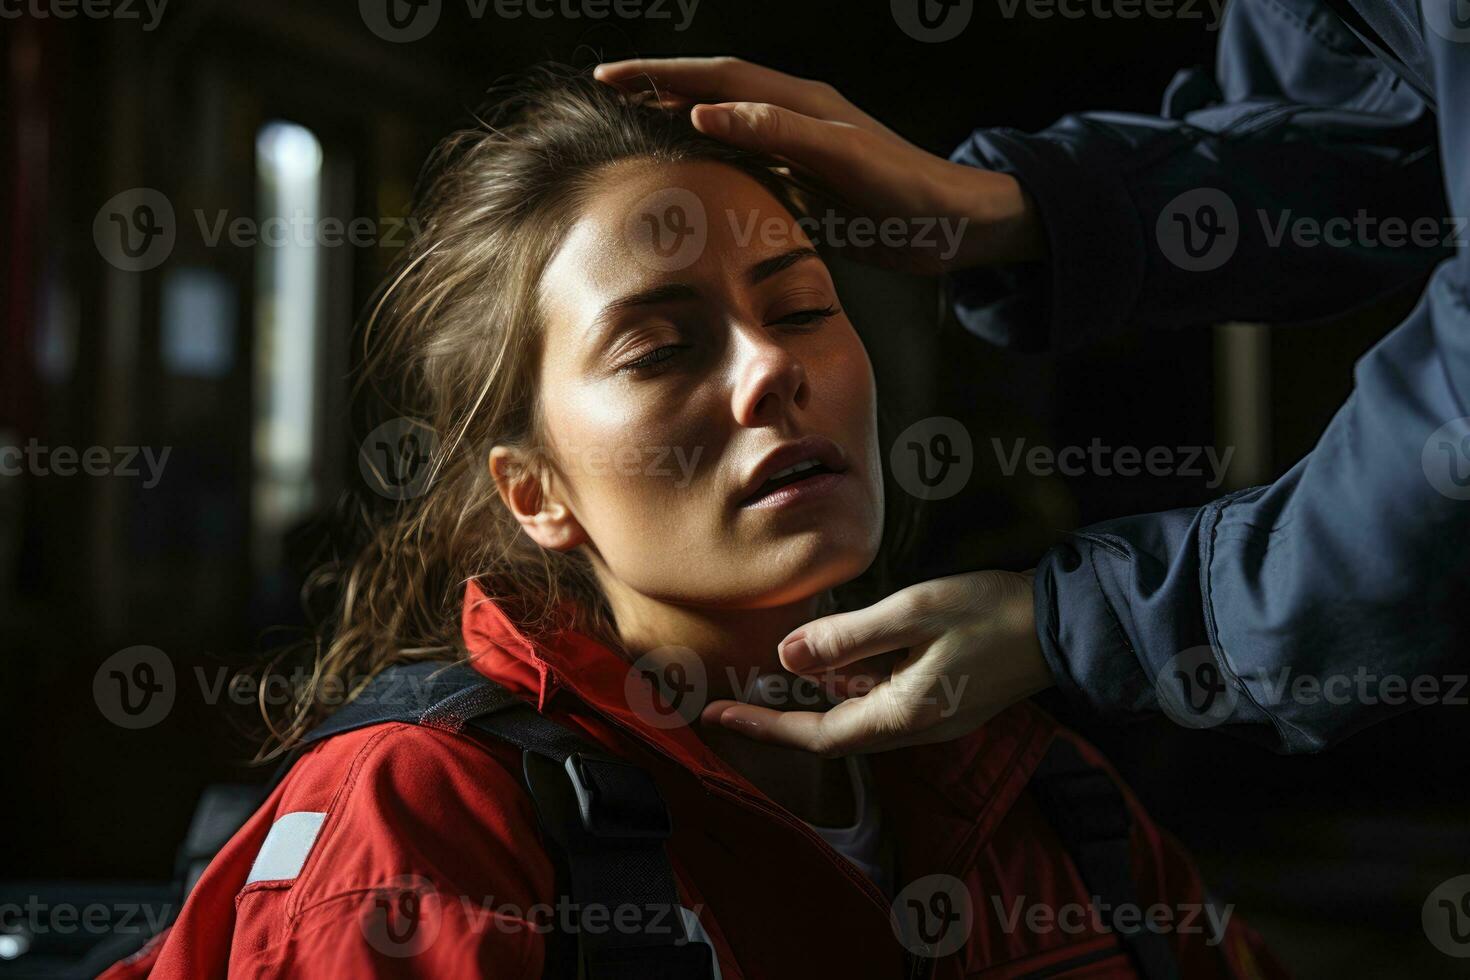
(802, 318)
(798, 318)
(654, 357)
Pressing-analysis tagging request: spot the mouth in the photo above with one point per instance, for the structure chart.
(794, 471)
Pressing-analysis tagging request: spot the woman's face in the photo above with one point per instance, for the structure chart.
(682, 350)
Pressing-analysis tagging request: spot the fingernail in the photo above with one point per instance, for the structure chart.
(734, 721)
(795, 655)
(713, 120)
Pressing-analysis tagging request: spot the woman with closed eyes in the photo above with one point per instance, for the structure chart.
(657, 454)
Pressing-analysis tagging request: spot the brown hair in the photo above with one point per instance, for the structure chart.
(452, 340)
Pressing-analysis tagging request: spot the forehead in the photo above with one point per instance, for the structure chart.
(647, 224)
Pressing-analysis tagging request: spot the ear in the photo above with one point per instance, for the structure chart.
(539, 510)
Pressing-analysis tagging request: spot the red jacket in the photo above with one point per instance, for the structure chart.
(399, 803)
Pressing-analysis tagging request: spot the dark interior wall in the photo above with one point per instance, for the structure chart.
(1329, 849)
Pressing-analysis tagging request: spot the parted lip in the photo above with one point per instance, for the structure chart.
(819, 448)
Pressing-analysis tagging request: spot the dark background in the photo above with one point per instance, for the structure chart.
(1330, 857)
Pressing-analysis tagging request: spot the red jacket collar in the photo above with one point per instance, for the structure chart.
(537, 669)
(966, 785)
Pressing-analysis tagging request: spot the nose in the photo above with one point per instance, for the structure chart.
(769, 379)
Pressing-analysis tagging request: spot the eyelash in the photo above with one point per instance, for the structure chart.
(825, 313)
(652, 358)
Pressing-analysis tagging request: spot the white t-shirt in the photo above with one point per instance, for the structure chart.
(861, 842)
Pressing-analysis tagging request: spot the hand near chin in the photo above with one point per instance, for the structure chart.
(949, 215)
(967, 650)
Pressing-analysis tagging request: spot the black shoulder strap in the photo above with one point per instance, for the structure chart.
(1089, 814)
(422, 693)
(606, 815)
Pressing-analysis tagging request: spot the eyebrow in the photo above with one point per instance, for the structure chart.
(766, 268)
(677, 291)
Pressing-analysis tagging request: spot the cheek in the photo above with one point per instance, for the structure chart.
(632, 467)
(855, 397)
(855, 402)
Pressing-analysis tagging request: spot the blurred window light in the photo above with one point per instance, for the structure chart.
(198, 323)
(288, 322)
(56, 338)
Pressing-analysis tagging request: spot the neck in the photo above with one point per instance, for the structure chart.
(735, 647)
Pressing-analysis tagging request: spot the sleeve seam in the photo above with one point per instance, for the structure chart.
(1215, 511)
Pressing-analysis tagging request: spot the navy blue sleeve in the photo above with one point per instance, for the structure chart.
(1297, 613)
(1298, 124)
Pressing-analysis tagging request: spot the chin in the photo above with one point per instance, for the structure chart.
(826, 567)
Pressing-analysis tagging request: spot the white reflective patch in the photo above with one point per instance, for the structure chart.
(694, 929)
(286, 846)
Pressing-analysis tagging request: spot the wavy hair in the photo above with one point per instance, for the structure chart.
(452, 339)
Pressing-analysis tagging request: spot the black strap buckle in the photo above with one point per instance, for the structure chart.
(617, 799)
